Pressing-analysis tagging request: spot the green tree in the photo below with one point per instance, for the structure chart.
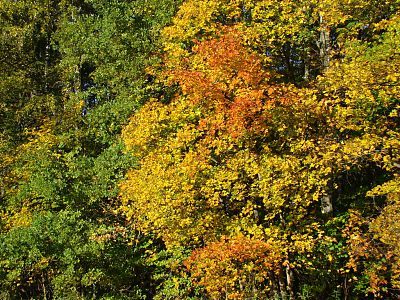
(86, 62)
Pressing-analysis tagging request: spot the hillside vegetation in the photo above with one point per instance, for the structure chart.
(200, 149)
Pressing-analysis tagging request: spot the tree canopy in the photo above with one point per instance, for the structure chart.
(199, 149)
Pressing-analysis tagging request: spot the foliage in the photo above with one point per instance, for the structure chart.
(72, 73)
(238, 150)
(236, 268)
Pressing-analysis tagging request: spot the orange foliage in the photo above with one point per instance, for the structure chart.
(234, 268)
(229, 82)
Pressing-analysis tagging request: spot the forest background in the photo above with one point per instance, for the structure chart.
(199, 149)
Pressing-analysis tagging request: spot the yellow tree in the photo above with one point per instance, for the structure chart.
(216, 161)
(192, 141)
(235, 158)
(298, 38)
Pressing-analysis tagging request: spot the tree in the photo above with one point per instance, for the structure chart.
(204, 156)
(77, 71)
(237, 152)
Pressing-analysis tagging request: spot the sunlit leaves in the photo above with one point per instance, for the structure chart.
(71, 73)
(236, 152)
(236, 268)
(267, 147)
(187, 141)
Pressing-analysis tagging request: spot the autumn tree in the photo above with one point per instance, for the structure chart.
(206, 165)
(235, 151)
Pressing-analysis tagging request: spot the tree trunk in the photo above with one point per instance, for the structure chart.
(324, 45)
(326, 204)
(282, 285)
(289, 281)
(306, 75)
